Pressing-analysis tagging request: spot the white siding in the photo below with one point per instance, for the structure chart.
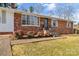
(9, 25)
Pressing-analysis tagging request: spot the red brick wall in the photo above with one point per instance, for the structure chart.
(60, 29)
(25, 29)
(17, 21)
(18, 26)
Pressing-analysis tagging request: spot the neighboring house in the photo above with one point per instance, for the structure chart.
(76, 28)
(12, 20)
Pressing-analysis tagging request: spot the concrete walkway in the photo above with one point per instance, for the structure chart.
(5, 48)
(24, 41)
(5, 44)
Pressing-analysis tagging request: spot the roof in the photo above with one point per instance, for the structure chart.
(36, 14)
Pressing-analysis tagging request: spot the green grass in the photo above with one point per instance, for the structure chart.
(60, 47)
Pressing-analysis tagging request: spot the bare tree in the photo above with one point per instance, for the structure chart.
(66, 11)
(38, 8)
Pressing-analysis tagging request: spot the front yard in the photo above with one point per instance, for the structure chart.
(61, 47)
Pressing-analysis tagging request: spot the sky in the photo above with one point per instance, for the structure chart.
(51, 7)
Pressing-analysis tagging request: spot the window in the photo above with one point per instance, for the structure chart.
(69, 24)
(23, 19)
(34, 20)
(3, 17)
(54, 23)
(29, 20)
(0, 4)
(4, 4)
(0, 16)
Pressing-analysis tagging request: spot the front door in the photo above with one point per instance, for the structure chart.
(46, 24)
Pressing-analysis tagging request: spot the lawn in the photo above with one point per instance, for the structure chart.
(60, 47)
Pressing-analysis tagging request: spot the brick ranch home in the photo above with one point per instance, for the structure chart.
(12, 20)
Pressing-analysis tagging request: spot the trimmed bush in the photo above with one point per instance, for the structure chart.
(46, 33)
(18, 34)
(30, 34)
(39, 34)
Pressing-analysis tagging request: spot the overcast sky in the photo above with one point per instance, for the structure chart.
(51, 7)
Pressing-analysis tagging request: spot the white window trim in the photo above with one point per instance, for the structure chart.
(31, 25)
(56, 23)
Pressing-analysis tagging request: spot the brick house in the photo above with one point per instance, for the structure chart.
(12, 20)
